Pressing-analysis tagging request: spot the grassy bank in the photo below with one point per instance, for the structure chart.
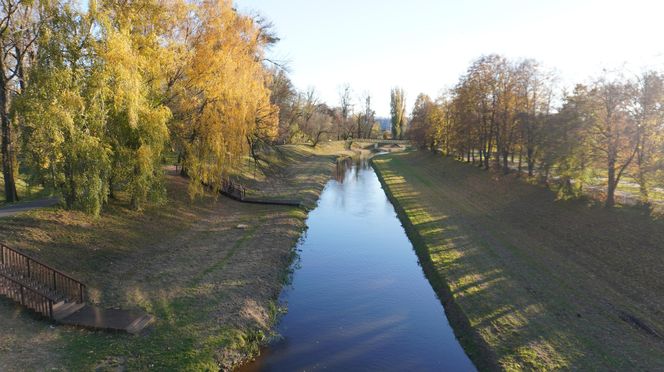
(533, 283)
(211, 286)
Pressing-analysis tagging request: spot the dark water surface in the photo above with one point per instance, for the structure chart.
(359, 299)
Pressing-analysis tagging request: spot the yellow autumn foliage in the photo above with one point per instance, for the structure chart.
(224, 94)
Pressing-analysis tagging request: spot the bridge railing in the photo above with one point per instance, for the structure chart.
(26, 296)
(235, 190)
(376, 140)
(44, 275)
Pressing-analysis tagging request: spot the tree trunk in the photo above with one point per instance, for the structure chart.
(111, 191)
(611, 188)
(487, 153)
(531, 161)
(7, 147)
(70, 188)
(135, 194)
(641, 179)
(506, 166)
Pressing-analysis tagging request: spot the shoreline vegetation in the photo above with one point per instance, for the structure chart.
(528, 281)
(211, 282)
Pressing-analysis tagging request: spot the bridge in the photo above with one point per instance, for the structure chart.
(58, 297)
(379, 141)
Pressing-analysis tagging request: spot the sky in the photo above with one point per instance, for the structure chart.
(424, 46)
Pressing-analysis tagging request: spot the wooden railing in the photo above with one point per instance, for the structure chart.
(230, 188)
(43, 275)
(26, 296)
(378, 140)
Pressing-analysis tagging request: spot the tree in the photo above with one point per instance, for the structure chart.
(64, 113)
(315, 117)
(534, 91)
(20, 26)
(365, 119)
(222, 92)
(647, 108)
(136, 64)
(613, 132)
(285, 97)
(563, 143)
(318, 125)
(398, 112)
(420, 128)
(345, 110)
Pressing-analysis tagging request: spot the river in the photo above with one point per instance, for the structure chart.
(359, 299)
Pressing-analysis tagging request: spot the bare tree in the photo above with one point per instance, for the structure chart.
(365, 119)
(319, 124)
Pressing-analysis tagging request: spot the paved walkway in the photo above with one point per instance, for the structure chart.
(21, 207)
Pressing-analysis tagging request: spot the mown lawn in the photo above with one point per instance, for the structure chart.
(211, 286)
(545, 284)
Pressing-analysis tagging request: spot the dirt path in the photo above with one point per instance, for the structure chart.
(14, 209)
(546, 284)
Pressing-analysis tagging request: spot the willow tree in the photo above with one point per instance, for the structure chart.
(223, 97)
(93, 115)
(136, 61)
(64, 113)
(398, 112)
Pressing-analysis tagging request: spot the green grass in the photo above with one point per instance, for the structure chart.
(531, 282)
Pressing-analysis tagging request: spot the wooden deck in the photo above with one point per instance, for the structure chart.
(236, 192)
(108, 319)
(59, 297)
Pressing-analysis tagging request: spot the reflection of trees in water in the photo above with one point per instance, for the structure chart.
(346, 166)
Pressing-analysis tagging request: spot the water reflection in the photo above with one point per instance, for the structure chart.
(348, 167)
(359, 300)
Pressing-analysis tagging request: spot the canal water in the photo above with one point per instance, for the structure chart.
(359, 299)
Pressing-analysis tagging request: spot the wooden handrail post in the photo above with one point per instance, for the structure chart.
(22, 300)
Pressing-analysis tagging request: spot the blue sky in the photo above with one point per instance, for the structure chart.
(424, 45)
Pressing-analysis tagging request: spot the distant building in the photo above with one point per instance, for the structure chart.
(385, 124)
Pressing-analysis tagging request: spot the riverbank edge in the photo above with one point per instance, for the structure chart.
(280, 309)
(72, 341)
(480, 353)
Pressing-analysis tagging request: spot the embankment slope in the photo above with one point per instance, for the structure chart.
(544, 284)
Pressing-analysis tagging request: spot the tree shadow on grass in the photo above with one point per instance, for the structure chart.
(541, 280)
